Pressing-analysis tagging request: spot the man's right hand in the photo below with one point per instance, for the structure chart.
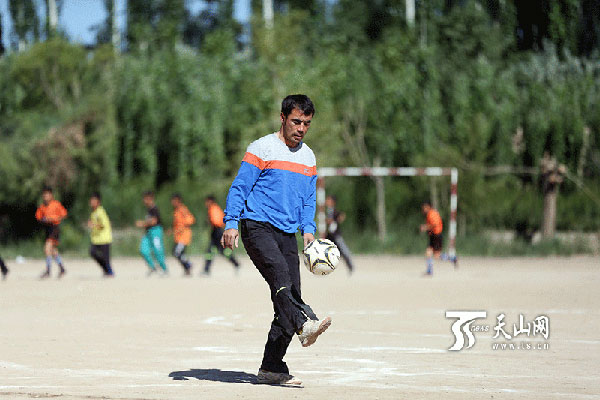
(230, 239)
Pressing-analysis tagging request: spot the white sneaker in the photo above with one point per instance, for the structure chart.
(312, 329)
(277, 378)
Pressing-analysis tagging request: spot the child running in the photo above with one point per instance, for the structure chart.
(152, 242)
(215, 218)
(182, 233)
(51, 213)
(100, 234)
(433, 226)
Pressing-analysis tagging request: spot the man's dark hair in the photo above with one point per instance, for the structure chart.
(299, 101)
(176, 195)
(426, 203)
(332, 197)
(210, 197)
(47, 189)
(148, 193)
(96, 195)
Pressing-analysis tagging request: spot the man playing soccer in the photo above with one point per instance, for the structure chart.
(215, 218)
(274, 194)
(182, 233)
(433, 226)
(3, 269)
(334, 218)
(152, 242)
(100, 234)
(50, 213)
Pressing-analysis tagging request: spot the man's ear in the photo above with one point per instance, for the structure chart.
(282, 117)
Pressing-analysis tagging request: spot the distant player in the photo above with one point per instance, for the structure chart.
(215, 218)
(272, 196)
(3, 269)
(334, 218)
(182, 232)
(100, 235)
(51, 213)
(433, 226)
(151, 246)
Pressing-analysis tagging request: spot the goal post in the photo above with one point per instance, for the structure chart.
(325, 172)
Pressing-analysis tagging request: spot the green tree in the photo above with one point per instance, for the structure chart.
(25, 22)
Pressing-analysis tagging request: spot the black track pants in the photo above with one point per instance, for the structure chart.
(275, 255)
(101, 253)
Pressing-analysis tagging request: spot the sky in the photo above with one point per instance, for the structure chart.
(78, 16)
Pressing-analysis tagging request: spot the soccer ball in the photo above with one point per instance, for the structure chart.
(321, 256)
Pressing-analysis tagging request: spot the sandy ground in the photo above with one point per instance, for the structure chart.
(134, 337)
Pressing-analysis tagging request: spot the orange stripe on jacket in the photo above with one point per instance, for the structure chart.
(281, 165)
(434, 220)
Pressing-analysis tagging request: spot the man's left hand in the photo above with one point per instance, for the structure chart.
(308, 237)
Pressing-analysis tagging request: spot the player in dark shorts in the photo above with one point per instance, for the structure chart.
(51, 213)
(435, 242)
(152, 244)
(100, 235)
(272, 197)
(334, 218)
(3, 269)
(215, 218)
(182, 231)
(434, 227)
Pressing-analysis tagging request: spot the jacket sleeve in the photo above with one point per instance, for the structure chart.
(240, 189)
(63, 212)
(39, 214)
(190, 219)
(97, 219)
(307, 224)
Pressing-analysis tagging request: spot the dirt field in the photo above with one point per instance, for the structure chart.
(134, 337)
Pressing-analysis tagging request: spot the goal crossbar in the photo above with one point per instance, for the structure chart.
(325, 172)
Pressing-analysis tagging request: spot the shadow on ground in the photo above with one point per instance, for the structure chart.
(215, 375)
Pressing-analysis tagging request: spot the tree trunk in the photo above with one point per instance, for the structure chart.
(552, 177)
(410, 12)
(1, 42)
(380, 191)
(434, 193)
(549, 223)
(115, 37)
(584, 149)
(268, 13)
(51, 17)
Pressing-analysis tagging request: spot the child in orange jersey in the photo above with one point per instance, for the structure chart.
(215, 218)
(182, 233)
(51, 213)
(433, 226)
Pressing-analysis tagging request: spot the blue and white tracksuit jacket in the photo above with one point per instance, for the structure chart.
(275, 184)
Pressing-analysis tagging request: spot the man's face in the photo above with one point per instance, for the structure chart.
(295, 127)
(47, 197)
(94, 202)
(148, 201)
(425, 208)
(175, 202)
